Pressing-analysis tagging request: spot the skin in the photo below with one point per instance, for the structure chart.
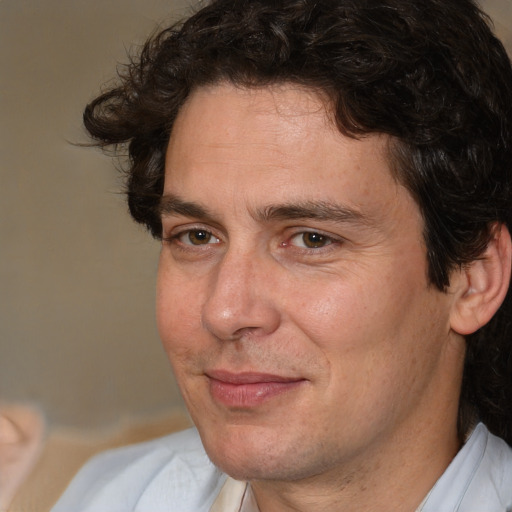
(291, 250)
(21, 440)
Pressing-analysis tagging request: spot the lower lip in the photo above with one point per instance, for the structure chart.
(246, 396)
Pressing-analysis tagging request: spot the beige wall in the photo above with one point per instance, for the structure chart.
(77, 331)
(501, 13)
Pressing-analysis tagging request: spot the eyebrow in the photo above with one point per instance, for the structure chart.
(172, 205)
(316, 210)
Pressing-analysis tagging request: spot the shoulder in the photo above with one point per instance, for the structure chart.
(172, 473)
(479, 479)
(492, 479)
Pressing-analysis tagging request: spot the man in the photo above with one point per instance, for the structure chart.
(331, 182)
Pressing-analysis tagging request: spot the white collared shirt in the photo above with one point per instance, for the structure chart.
(235, 496)
(174, 474)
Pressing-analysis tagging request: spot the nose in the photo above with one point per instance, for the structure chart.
(240, 299)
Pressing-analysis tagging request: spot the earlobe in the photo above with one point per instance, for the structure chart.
(483, 284)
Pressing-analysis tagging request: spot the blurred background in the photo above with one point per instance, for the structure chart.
(77, 329)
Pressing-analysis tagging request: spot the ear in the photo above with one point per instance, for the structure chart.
(481, 286)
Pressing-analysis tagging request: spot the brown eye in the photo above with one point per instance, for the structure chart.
(314, 240)
(311, 240)
(198, 237)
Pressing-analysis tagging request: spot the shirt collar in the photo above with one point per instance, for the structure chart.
(235, 496)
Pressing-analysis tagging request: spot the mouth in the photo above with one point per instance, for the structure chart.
(247, 390)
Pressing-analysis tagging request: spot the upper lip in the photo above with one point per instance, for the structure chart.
(248, 377)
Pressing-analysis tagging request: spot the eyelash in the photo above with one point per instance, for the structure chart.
(176, 237)
(325, 239)
(329, 240)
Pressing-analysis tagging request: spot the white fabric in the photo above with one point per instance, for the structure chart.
(173, 474)
(235, 496)
(479, 479)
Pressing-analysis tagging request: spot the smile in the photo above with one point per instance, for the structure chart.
(248, 390)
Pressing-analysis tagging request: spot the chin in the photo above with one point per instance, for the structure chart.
(255, 469)
(256, 455)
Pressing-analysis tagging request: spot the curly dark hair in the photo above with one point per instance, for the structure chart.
(431, 74)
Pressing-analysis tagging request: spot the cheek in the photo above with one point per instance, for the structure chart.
(333, 316)
(178, 313)
(367, 333)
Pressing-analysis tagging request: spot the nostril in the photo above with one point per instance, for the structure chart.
(244, 332)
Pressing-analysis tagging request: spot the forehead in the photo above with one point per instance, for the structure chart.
(267, 143)
(274, 118)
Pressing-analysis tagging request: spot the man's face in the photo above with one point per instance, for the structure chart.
(293, 301)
